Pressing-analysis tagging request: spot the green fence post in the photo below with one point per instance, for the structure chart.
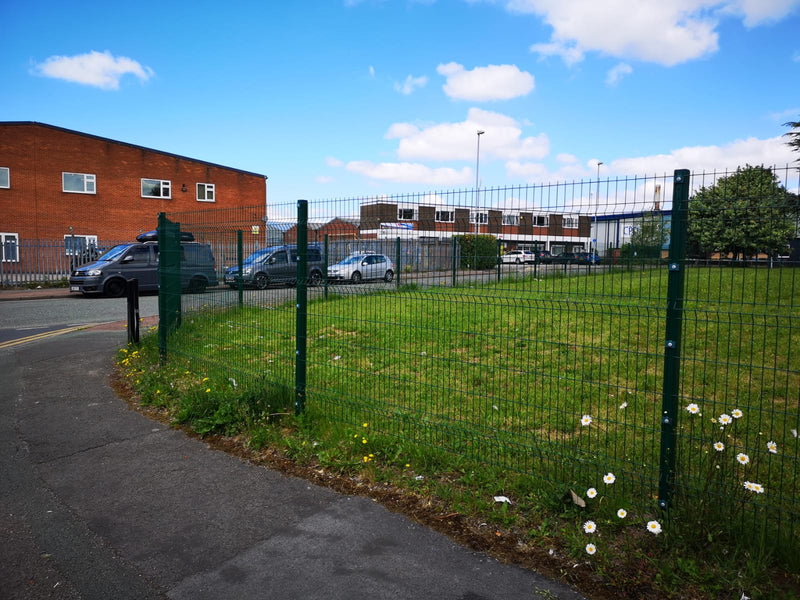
(454, 261)
(301, 328)
(169, 280)
(499, 262)
(672, 344)
(325, 273)
(397, 262)
(240, 263)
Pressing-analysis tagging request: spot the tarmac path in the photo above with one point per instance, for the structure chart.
(99, 502)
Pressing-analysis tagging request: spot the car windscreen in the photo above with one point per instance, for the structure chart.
(351, 260)
(258, 256)
(115, 252)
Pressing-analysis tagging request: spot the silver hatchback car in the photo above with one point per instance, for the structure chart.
(361, 267)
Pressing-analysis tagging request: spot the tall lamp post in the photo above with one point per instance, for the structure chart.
(477, 178)
(597, 209)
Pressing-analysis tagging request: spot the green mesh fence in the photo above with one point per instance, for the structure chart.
(527, 328)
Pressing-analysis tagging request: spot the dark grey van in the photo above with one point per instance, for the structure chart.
(276, 264)
(139, 260)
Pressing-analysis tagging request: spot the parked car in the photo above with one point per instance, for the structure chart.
(276, 264)
(543, 256)
(109, 274)
(518, 257)
(577, 258)
(361, 267)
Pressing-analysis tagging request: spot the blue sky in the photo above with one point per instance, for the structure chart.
(353, 98)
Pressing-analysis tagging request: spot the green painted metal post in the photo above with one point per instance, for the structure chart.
(169, 281)
(499, 261)
(301, 329)
(397, 266)
(672, 344)
(455, 265)
(240, 263)
(325, 272)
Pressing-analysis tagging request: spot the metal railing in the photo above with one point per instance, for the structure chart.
(671, 364)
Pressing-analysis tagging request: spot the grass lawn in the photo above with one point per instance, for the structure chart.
(546, 392)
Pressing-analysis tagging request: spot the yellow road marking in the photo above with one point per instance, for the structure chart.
(40, 336)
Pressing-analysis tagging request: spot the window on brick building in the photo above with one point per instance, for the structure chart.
(5, 177)
(78, 183)
(406, 214)
(9, 247)
(510, 219)
(483, 217)
(205, 192)
(80, 245)
(445, 216)
(570, 223)
(156, 188)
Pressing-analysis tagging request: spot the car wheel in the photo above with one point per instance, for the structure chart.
(356, 277)
(388, 276)
(197, 285)
(114, 288)
(518, 261)
(315, 278)
(261, 281)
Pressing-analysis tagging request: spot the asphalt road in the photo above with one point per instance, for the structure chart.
(99, 502)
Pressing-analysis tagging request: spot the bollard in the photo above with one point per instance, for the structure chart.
(133, 311)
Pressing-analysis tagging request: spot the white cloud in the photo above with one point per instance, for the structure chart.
(753, 151)
(458, 141)
(333, 161)
(324, 179)
(99, 69)
(371, 71)
(410, 85)
(616, 74)
(666, 33)
(494, 82)
(411, 173)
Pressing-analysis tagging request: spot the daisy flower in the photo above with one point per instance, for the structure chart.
(693, 408)
(742, 458)
(586, 420)
(725, 419)
(654, 527)
(736, 413)
(589, 527)
(719, 446)
(772, 447)
(624, 405)
(748, 486)
(758, 488)
(622, 513)
(591, 492)
(591, 548)
(609, 478)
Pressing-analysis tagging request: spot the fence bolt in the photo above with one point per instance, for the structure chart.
(663, 504)
(666, 421)
(670, 344)
(674, 267)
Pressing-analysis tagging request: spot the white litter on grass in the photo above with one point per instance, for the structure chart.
(502, 499)
(419, 478)
(337, 357)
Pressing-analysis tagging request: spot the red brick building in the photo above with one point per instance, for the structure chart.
(58, 184)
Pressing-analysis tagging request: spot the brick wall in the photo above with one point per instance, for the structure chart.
(35, 207)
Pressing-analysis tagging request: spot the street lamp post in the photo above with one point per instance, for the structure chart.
(477, 178)
(597, 210)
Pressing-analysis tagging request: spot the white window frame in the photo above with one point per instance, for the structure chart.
(89, 181)
(89, 241)
(483, 217)
(7, 182)
(511, 219)
(570, 223)
(445, 216)
(403, 209)
(206, 192)
(164, 186)
(4, 239)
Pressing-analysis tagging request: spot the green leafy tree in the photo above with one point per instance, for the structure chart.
(793, 135)
(742, 215)
(478, 251)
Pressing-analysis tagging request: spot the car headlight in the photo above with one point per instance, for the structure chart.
(94, 272)
(247, 270)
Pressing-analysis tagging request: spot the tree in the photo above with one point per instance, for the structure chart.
(794, 135)
(743, 214)
(478, 251)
